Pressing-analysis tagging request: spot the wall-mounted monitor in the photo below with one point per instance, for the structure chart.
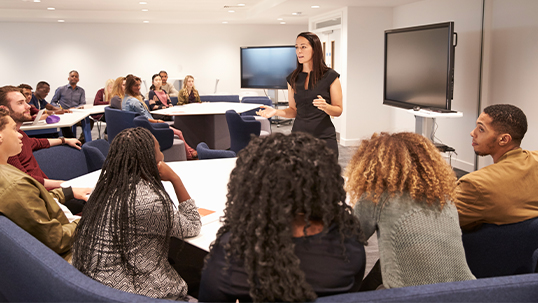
(267, 66)
(419, 66)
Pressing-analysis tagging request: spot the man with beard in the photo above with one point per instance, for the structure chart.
(12, 98)
(506, 191)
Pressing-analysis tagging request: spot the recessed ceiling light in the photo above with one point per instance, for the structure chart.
(231, 11)
(224, 22)
(314, 6)
(280, 19)
(146, 21)
(143, 3)
(37, 0)
(50, 8)
(61, 21)
(145, 10)
(241, 4)
(282, 22)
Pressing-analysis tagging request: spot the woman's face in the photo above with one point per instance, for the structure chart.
(136, 87)
(190, 83)
(158, 82)
(10, 138)
(123, 86)
(110, 87)
(303, 50)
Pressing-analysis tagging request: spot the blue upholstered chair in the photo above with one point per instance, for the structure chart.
(32, 272)
(95, 152)
(257, 100)
(501, 250)
(53, 160)
(118, 120)
(241, 128)
(204, 152)
(219, 98)
(173, 148)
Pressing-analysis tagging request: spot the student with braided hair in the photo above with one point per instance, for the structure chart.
(287, 233)
(403, 189)
(123, 237)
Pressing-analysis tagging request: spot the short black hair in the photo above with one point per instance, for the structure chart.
(507, 118)
(25, 86)
(42, 83)
(163, 72)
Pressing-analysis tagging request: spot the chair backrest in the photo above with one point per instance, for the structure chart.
(32, 272)
(241, 130)
(204, 152)
(95, 152)
(219, 98)
(257, 100)
(164, 135)
(52, 162)
(174, 100)
(117, 120)
(501, 250)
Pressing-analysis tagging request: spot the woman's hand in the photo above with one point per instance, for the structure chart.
(166, 173)
(267, 112)
(81, 193)
(320, 103)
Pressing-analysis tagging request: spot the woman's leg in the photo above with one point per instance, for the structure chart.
(191, 152)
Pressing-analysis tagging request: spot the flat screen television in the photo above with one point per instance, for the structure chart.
(419, 66)
(267, 66)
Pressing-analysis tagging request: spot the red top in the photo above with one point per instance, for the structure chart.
(25, 161)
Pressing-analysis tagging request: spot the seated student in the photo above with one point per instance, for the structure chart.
(26, 91)
(26, 202)
(118, 92)
(70, 96)
(403, 189)
(188, 94)
(504, 192)
(11, 98)
(103, 96)
(38, 99)
(123, 237)
(158, 98)
(287, 233)
(132, 101)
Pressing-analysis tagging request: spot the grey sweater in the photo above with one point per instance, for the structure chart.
(418, 244)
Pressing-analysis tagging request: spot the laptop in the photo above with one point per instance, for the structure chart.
(36, 120)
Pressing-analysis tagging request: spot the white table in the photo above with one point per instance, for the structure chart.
(205, 122)
(205, 180)
(66, 120)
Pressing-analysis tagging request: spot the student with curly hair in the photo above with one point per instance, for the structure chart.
(123, 237)
(404, 190)
(287, 233)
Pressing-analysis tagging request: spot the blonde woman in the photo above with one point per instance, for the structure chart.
(118, 92)
(402, 188)
(103, 97)
(188, 94)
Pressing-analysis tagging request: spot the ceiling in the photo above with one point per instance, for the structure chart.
(177, 11)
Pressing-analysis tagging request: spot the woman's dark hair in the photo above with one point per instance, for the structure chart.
(152, 87)
(318, 67)
(275, 179)
(111, 209)
(130, 81)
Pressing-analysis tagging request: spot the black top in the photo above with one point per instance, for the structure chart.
(309, 118)
(322, 261)
(159, 103)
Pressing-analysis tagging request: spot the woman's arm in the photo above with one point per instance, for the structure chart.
(335, 108)
(181, 99)
(290, 112)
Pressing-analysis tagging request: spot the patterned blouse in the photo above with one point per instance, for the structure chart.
(163, 282)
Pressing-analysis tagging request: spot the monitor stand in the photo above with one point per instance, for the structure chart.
(276, 120)
(425, 126)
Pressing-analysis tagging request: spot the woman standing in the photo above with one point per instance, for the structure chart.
(314, 93)
(158, 97)
(123, 237)
(132, 101)
(188, 94)
(287, 233)
(404, 190)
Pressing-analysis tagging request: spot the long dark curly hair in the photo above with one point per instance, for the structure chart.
(110, 210)
(276, 179)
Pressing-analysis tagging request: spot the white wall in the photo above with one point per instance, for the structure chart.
(31, 52)
(512, 61)
(467, 17)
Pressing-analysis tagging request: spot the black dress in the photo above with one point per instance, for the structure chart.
(322, 261)
(309, 118)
